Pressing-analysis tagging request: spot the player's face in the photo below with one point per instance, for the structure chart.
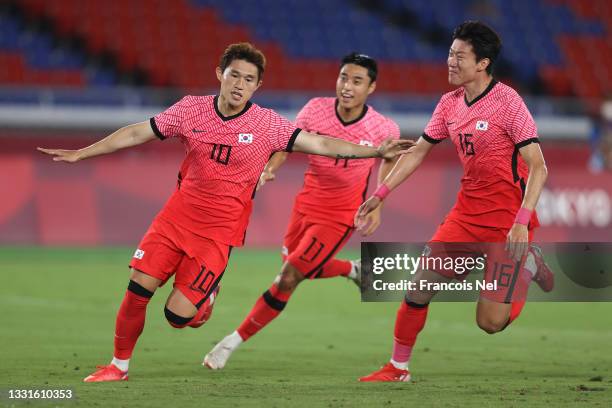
(353, 86)
(462, 65)
(238, 82)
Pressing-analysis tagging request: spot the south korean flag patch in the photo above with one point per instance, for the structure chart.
(139, 254)
(482, 125)
(245, 138)
(366, 143)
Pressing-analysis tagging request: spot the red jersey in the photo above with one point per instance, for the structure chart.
(224, 158)
(487, 134)
(334, 188)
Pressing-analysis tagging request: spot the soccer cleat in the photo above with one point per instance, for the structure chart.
(387, 373)
(207, 309)
(107, 373)
(356, 266)
(544, 277)
(218, 356)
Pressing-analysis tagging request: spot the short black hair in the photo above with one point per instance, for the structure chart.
(363, 61)
(243, 51)
(485, 41)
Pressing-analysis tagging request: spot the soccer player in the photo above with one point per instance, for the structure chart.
(504, 173)
(228, 141)
(322, 217)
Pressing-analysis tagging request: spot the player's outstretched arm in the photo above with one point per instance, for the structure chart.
(313, 143)
(405, 166)
(518, 237)
(269, 172)
(372, 221)
(128, 136)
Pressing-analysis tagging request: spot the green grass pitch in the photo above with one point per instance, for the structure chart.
(58, 310)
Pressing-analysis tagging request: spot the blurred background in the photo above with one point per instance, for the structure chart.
(71, 71)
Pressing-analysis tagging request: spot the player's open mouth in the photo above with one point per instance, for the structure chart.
(237, 95)
(347, 97)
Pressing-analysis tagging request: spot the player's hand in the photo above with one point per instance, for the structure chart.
(371, 222)
(265, 176)
(365, 209)
(394, 147)
(517, 242)
(69, 156)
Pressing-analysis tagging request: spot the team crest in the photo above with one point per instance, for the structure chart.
(365, 143)
(245, 138)
(482, 125)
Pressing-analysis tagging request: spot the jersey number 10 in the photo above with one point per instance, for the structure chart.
(221, 153)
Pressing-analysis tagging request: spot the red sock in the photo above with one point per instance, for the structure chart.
(410, 321)
(334, 267)
(267, 307)
(515, 310)
(520, 294)
(130, 319)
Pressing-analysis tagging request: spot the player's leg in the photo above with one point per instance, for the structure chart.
(341, 267)
(333, 266)
(496, 309)
(409, 322)
(197, 284)
(493, 317)
(128, 326)
(272, 302)
(412, 313)
(319, 243)
(267, 307)
(131, 316)
(179, 310)
(316, 244)
(153, 263)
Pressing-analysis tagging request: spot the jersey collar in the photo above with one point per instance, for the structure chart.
(357, 119)
(482, 95)
(226, 118)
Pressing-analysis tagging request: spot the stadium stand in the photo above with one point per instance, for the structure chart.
(146, 42)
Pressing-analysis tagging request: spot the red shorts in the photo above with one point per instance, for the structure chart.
(308, 245)
(457, 239)
(198, 262)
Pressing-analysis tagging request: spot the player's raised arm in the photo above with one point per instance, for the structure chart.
(405, 166)
(313, 143)
(518, 237)
(128, 136)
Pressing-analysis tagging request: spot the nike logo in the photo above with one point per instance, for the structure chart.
(198, 131)
(449, 123)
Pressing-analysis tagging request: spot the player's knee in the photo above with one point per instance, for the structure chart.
(175, 320)
(492, 324)
(289, 278)
(417, 297)
(137, 289)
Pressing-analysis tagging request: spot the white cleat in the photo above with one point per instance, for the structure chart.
(218, 356)
(355, 274)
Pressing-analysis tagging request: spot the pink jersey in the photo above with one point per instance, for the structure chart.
(487, 134)
(333, 189)
(224, 158)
